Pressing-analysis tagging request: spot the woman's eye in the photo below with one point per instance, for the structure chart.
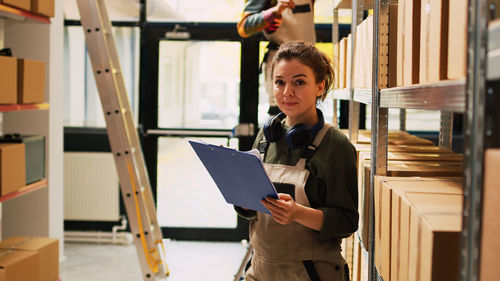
(278, 82)
(300, 82)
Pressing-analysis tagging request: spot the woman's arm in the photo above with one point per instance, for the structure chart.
(285, 210)
(259, 16)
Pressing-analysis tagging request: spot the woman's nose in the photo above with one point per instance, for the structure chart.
(288, 91)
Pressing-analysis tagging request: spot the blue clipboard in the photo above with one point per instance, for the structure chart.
(240, 176)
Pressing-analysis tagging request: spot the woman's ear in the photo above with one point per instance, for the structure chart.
(321, 88)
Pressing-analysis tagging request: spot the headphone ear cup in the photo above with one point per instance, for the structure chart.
(298, 136)
(273, 130)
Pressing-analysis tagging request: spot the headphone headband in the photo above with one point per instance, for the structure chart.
(298, 136)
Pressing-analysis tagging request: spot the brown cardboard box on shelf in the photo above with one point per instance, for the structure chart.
(8, 80)
(490, 244)
(335, 62)
(402, 164)
(400, 43)
(348, 61)
(47, 249)
(31, 81)
(411, 45)
(43, 7)
(12, 167)
(434, 41)
(388, 191)
(356, 257)
(393, 46)
(342, 62)
(423, 169)
(363, 147)
(396, 137)
(435, 228)
(22, 4)
(457, 39)
(19, 265)
(369, 52)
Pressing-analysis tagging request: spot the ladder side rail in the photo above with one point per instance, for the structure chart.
(124, 160)
(123, 100)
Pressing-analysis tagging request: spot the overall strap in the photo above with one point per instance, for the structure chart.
(311, 149)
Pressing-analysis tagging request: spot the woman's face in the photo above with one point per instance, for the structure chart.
(296, 91)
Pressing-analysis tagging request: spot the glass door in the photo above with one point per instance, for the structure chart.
(191, 91)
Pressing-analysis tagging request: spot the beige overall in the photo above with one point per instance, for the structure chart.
(282, 252)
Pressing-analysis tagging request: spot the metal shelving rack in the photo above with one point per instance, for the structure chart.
(460, 96)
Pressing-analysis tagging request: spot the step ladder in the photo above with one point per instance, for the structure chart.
(123, 137)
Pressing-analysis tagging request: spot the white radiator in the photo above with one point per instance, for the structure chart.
(91, 190)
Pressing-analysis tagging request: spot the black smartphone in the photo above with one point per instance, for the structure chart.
(305, 8)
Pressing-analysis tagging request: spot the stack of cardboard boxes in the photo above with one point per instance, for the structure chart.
(29, 259)
(418, 205)
(22, 81)
(427, 42)
(41, 7)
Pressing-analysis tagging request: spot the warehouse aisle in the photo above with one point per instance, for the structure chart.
(216, 261)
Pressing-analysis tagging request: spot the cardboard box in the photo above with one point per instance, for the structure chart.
(43, 7)
(400, 43)
(12, 167)
(392, 79)
(348, 62)
(22, 4)
(347, 247)
(8, 80)
(356, 267)
(47, 250)
(388, 191)
(342, 62)
(436, 225)
(490, 244)
(411, 45)
(457, 39)
(19, 265)
(3, 275)
(30, 81)
(402, 164)
(335, 62)
(434, 40)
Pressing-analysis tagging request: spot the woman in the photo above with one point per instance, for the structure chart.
(279, 21)
(313, 167)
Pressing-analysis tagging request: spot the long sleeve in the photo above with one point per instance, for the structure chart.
(257, 16)
(332, 187)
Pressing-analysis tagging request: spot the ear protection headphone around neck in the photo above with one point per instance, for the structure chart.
(298, 136)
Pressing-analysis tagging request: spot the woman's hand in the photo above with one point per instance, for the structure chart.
(285, 210)
(282, 5)
(282, 209)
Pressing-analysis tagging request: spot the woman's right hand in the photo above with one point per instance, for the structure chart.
(282, 5)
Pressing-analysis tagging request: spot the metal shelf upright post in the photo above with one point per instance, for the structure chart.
(474, 139)
(379, 126)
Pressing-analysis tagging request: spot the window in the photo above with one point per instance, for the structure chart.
(82, 104)
(118, 10)
(198, 84)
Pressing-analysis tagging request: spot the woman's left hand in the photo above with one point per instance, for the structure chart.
(282, 209)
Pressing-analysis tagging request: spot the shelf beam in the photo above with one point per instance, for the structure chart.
(23, 107)
(25, 190)
(20, 15)
(444, 95)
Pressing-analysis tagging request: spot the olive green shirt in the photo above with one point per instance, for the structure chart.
(332, 184)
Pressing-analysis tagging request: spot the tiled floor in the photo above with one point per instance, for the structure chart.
(187, 261)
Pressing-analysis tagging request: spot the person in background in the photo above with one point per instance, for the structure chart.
(280, 21)
(312, 165)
